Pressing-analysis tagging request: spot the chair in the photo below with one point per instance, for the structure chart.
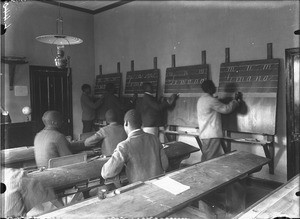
(67, 160)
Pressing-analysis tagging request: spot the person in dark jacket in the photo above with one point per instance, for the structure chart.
(88, 108)
(151, 109)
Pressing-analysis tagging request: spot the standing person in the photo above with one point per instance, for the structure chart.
(151, 110)
(209, 110)
(110, 101)
(112, 134)
(141, 153)
(50, 143)
(88, 108)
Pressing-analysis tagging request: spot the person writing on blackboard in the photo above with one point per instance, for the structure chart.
(151, 109)
(209, 110)
(141, 153)
(88, 108)
(110, 101)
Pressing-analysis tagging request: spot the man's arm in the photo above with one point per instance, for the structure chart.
(152, 103)
(63, 146)
(224, 108)
(88, 102)
(115, 164)
(94, 139)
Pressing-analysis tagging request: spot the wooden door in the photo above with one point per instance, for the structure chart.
(51, 89)
(293, 111)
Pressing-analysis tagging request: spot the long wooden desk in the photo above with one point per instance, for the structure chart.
(65, 177)
(282, 202)
(148, 200)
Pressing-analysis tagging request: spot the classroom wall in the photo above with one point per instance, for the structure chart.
(29, 20)
(142, 30)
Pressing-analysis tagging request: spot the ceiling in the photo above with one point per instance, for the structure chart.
(91, 7)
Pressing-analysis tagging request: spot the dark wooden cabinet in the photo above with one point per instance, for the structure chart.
(15, 135)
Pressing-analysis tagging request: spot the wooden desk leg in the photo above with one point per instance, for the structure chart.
(269, 152)
(199, 143)
(57, 203)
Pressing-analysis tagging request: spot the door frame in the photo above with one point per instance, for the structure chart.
(291, 147)
(69, 93)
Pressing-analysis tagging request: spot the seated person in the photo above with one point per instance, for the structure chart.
(22, 194)
(111, 134)
(49, 142)
(141, 153)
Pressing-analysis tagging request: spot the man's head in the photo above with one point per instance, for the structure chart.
(111, 116)
(52, 119)
(86, 88)
(110, 88)
(147, 87)
(132, 121)
(209, 87)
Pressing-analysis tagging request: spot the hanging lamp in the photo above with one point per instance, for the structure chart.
(60, 40)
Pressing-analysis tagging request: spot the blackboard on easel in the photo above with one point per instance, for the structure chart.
(258, 81)
(135, 80)
(103, 80)
(187, 81)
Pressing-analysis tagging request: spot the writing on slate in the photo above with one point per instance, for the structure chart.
(103, 80)
(185, 79)
(135, 80)
(260, 76)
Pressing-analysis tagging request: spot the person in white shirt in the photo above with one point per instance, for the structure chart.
(209, 110)
(141, 153)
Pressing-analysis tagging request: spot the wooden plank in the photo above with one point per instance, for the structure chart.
(148, 200)
(281, 202)
(67, 160)
(16, 155)
(68, 176)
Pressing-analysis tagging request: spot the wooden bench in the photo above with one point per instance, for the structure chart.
(148, 200)
(283, 202)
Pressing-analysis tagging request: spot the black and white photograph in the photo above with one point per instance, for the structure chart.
(150, 109)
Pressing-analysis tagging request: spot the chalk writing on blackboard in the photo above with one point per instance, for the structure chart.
(260, 76)
(103, 80)
(135, 80)
(185, 79)
(259, 80)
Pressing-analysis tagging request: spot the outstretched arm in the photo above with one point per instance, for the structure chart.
(115, 164)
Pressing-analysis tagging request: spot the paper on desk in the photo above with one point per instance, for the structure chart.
(170, 185)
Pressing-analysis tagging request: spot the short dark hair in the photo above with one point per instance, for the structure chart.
(134, 118)
(111, 116)
(52, 118)
(208, 86)
(85, 86)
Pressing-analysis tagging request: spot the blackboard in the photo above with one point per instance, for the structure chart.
(185, 79)
(259, 76)
(135, 80)
(184, 113)
(102, 80)
(258, 81)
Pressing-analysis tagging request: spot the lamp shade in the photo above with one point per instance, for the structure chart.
(59, 39)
